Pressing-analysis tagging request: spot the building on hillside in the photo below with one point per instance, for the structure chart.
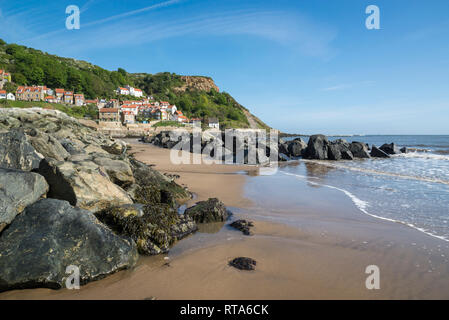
(195, 122)
(123, 91)
(59, 95)
(172, 109)
(34, 93)
(109, 115)
(133, 91)
(183, 119)
(130, 108)
(128, 117)
(213, 123)
(50, 92)
(2, 94)
(113, 103)
(95, 102)
(50, 99)
(10, 96)
(68, 97)
(4, 78)
(79, 99)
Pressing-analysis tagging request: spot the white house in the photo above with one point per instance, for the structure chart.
(213, 123)
(123, 91)
(134, 91)
(11, 96)
(130, 108)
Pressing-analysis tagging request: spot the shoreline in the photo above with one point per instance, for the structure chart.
(324, 256)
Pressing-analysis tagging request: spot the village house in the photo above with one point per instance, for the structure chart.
(4, 77)
(130, 108)
(68, 97)
(134, 91)
(113, 103)
(35, 93)
(213, 123)
(79, 99)
(11, 96)
(109, 115)
(128, 117)
(172, 109)
(59, 95)
(2, 94)
(50, 99)
(123, 91)
(95, 102)
(195, 122)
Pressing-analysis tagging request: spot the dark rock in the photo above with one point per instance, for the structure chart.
(404, 150)
(51, 235)
(16, 152)
(296, 148)
(377, 153)
(18, 189)
(211, 210)
(317, 147)
(73, 147)
(155, 228)
(244, 226)
(359, 150)
(243, 263)
(390, 148)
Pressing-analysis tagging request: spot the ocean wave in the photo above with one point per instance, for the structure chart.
(340, 165)
(363, 205)
(422, 155)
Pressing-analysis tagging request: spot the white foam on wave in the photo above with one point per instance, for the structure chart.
(363, 205)
(423, 155)
(340, 165)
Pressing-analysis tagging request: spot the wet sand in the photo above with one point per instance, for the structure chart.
(323, 255)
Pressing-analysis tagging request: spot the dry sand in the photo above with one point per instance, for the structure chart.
(325, 258)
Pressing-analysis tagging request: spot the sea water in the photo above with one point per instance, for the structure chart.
(411, 188)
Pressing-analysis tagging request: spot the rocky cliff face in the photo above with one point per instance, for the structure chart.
(197, 83)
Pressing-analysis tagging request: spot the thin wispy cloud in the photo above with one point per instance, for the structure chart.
(105, 20)
(281, 27)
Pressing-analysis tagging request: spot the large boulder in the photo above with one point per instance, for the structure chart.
(16, 152)
(211, 210)
(155, 228)
(390, 148)
(83, 184)
(50, 236)
(18, 189)
(359, 150)
(339, 149)
(317, 148)
(296, 148)
(377, 153)
(46, 145)
(119, 171)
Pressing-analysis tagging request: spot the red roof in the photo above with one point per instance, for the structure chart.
(108, 110)
(59, 90)
(2, 91)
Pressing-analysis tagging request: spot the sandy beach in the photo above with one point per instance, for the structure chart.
(322, 256)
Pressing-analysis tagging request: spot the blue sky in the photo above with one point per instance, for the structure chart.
(304, 66)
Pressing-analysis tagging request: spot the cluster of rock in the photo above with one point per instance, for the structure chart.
(318, 147)
(71, 196)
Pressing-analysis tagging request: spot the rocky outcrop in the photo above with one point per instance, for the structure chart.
(83, 184)
(359, 150)
(317, 148)
(296, 148)
(16, 152)
(377, 153)
(390, 148)
(155, 228)
(18, 189)
(211, 210)
(50, 236)
(243, 263)
(48, 146)
(244, 226)
(197, 83)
